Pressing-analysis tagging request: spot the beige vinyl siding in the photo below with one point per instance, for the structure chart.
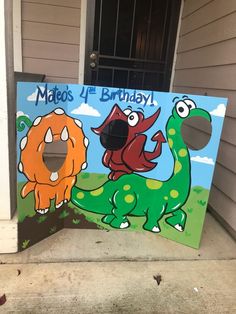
(50, 38)
(206, 65)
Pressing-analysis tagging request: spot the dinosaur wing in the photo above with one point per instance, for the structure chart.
(134, 155)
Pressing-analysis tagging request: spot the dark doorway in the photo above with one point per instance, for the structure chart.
(133, 43)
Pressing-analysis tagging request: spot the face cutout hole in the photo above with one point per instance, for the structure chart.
(196, 132)
(114, 135)
(54, 155)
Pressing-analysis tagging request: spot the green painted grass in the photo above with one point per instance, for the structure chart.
(195, 208)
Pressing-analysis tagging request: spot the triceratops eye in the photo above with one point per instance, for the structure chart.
(182, 109)
(133, 118)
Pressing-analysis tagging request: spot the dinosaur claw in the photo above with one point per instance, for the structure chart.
(156, 229)
(124, 225)
(42, 211)
(59, 205)
(179, 228)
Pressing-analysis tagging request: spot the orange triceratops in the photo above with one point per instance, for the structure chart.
(47, 185)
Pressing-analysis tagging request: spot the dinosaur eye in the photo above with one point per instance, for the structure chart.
(133, 118)
(190, 103)
(182, 109)
(127, 111)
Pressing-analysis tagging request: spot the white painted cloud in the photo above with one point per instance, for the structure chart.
(33, 96)
(86, 110)
(219, 111)
(204, 160)
(21, 113)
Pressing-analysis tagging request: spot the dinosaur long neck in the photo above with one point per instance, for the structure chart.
(181, 175)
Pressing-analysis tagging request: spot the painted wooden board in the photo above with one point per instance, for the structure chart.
(230, 94)
(100, 157)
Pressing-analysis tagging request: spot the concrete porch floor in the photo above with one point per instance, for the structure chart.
(94, 271)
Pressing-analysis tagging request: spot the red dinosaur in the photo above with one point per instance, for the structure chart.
(121, 135)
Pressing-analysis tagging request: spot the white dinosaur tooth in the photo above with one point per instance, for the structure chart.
(20, 166)
(23, 142)
(59, 111)
(37, 121)
(84, 165)
(156, 229)
(79, 123)
(48, 136)
(86, 142)
(64, 134)
(54, 176)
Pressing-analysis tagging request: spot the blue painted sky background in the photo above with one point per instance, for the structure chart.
(201, 172)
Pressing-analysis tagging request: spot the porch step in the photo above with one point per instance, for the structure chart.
(97, 245)
(120, 287)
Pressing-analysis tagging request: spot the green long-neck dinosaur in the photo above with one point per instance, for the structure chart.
(135, 195)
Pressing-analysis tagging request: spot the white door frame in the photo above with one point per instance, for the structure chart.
(8, 227)
(17, 35)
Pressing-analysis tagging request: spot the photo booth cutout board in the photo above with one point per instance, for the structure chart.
(115, 159)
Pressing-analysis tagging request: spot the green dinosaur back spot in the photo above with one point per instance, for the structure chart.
(178, 167)
(129, 198)
(182, 152)
(172, 131)
(166, 198)
(126, 187)
(97, 192)
(80, 195)
(174, 193)
(170, 142)
(153, 184)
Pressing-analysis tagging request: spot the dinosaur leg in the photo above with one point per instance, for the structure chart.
(117, 174)
(36, 197)
(153, 218)
(70, 181)
(178, 219)
(108, 219)
(120, 220)
(59, 195)
(43, 200)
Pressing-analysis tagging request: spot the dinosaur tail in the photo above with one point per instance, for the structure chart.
(21, 122)
(97, 201)
(159, 139)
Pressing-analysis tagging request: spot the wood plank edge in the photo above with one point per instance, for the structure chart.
(9, 235)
